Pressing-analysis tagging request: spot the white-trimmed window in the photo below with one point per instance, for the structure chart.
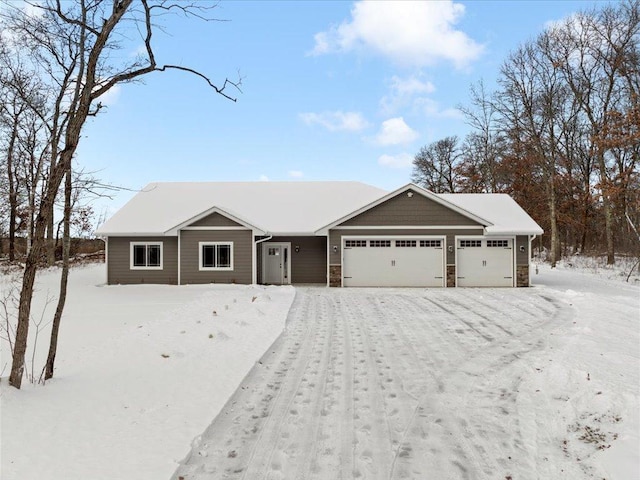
(431, 243)
(379, 243)
(145, 256)
(355, 243)
(406, 243)
(215, 255)
(470, 243)
(498, 243)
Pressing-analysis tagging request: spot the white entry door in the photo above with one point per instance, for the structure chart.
(393, 262)
(276, 267)
(484, 262)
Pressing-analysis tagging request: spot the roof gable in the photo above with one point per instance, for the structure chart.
(409, 205)
(214, 217)
(408, 208)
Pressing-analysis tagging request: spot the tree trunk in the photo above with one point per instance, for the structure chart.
(66, 243)
(608, 209)
(553, 222)
(13, 196)
(34, 258)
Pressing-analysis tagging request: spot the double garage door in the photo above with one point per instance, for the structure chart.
(393, 262)
(421, 262)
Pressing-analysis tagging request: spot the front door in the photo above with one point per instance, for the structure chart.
(276, 269)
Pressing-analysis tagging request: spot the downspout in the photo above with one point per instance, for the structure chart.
(531, 239)
(179, 261)
(106, 257)
(255, 256)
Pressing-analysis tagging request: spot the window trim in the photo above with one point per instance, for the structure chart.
(132, 246)
(215, 269)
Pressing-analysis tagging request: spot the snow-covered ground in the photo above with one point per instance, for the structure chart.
(141, 370)
(474, 383)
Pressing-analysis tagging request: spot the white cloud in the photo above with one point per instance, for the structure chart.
(395, 132)
(33, 9)
(401, 160)
(407, 32)
(111, 96)
(296, 174)
(336, 121)
(263, 178)
(402, 91)
(431, 108)
(410, 86)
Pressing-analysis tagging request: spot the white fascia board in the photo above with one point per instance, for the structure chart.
(136, 234)
(498, 233)
(225, 213)
(294, 234)
(410, 186)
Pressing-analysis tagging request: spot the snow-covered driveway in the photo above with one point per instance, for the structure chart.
(385, 383)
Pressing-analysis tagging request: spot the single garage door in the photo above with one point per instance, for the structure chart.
(393, 262)
(484, 263)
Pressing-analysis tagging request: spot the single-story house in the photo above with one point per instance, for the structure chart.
(342, 234)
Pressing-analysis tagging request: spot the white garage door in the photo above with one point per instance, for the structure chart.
(484, 263)
(393, 262)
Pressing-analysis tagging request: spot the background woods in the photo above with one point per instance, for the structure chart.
(560, 133)
(57, 60)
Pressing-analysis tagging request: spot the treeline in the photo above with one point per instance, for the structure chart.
(560, 134)
(57, 61)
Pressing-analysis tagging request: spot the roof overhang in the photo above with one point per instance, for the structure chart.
(410, 186)
(103, 234)
(499, 233)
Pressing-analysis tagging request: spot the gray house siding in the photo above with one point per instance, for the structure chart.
(119, 262)
(403, 210)
(189, 256)
(215, 220)
(522, 258)
(309, 264)
(335, 238)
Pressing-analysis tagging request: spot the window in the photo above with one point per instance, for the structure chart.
(355, 243)
(379, 243)
(431, 243)
(470, 243)
(406, 243)
(498, 243)
(146, 256)
(216, 255)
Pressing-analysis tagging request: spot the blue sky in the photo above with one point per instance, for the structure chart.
(332, 90)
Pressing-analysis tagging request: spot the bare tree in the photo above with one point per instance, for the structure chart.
(434, 166)
(597, 53)
(70, 45)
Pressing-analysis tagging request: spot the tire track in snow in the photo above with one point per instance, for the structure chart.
(382, 384)
(465, 437)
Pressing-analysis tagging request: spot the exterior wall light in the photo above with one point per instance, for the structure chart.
(450, 248)
(521, 249)
(335, 249)
(297, 248)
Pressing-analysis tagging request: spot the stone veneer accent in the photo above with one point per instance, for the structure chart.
(522, 276)
(335, 275)
(451, 276)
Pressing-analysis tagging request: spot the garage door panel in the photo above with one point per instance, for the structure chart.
(393, 262)
(484, 262)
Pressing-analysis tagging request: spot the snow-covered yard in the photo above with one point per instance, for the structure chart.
(412, 383)
(141, 370)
